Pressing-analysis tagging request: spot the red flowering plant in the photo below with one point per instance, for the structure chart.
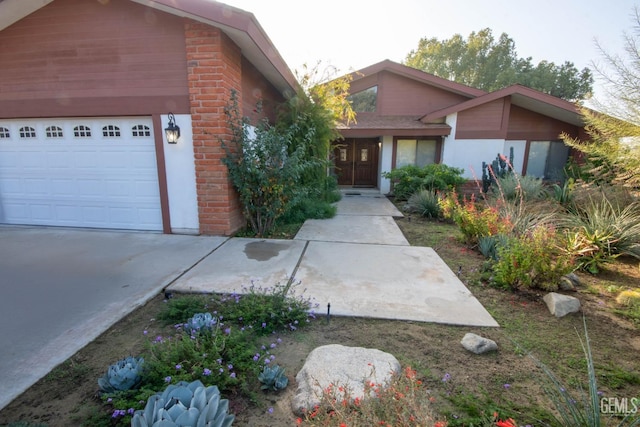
(404, 402)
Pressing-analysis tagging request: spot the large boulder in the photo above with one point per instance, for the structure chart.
(560, 305)
(335, 366)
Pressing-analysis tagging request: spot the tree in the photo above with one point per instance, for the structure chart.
(484, 63)
(612, 149)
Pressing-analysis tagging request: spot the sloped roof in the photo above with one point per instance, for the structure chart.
(522, 96)
(420, 76)
(372, 125)
(241, 26)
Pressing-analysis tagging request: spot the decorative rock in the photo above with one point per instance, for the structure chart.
(568, 282)
(477, 344)
(560, 305)
(336, 365)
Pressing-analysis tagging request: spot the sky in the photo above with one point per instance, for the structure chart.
(353, 34)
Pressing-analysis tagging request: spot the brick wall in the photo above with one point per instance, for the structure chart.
(214, 69)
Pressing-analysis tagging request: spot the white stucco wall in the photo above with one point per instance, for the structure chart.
(181, 178)
(386, 155)
(469, 154)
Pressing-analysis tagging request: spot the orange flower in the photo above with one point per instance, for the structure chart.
(440, 424)
(506, 423)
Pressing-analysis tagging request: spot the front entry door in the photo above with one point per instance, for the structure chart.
(356, 162)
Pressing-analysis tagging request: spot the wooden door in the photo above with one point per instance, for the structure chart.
(365, 163)
(356, 162)
(343, 159)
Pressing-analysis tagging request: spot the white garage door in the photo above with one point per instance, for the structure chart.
(97, 172)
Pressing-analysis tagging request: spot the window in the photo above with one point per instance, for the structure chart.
(53, 132)
(547, 159)
(111, 131)
(141, 130)
(365, 101)
(418, 152)
(82, 131)
(27, 132)
(4, 133)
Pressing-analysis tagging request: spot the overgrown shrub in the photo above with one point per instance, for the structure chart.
(475, 220)
(425, 203)
(409, 179)
(533, 260)
(263, 168)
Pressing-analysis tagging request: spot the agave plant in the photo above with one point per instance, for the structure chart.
(123, 375)
(185, 404)
(200, 322)
(273, 378)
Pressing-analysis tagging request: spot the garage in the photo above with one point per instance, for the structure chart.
(84, 172)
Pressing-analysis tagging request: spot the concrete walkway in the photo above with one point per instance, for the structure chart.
(359, 262)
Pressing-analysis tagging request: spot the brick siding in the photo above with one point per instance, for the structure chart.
(214, 69)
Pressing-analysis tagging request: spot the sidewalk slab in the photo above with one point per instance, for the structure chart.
(379, 230)
(390, 282)
(239, 262)
(367, 204)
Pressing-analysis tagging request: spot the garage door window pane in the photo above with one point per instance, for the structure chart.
(82, 131)
(27, 132)
(54, 132)
(111, 131)
(4, 133)
(141, 130)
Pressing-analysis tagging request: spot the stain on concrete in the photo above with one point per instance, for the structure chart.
(264, 250)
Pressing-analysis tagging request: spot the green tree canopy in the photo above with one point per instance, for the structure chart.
(483, 62)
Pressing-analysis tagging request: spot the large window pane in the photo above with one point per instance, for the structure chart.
(406, 152)
(426, 153)
(365, 101)
(538, 152)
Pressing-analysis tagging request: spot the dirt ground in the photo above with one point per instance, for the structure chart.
(67, 396)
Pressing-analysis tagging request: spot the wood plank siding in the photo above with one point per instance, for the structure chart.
(77, 57)
(528, 125)
(486, 121)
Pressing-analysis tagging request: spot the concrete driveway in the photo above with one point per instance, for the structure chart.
(60, 289)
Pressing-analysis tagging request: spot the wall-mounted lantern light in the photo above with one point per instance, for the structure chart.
(173, 130)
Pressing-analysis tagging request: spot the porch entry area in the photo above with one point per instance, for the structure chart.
(356, 162)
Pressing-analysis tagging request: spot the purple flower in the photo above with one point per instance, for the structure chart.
(221, 370)
(167, 379)
(131, 411)
(232, 374)
(145, 332)
(256, 357)
(279, 340)
(270, 410)
(507, 386)
(109, 400)
(178, 367)
(227, 331)
(219, 361)
(206, 372)
(230, 366)
(264, 325)
(446, 378)
(273, 345)
(267, 361)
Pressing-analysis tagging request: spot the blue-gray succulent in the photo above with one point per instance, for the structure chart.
(200, 322)
(123, 375)
(185, 404)
(273, 378)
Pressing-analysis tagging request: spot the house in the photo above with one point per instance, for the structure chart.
(87, 89)
(406, 116)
